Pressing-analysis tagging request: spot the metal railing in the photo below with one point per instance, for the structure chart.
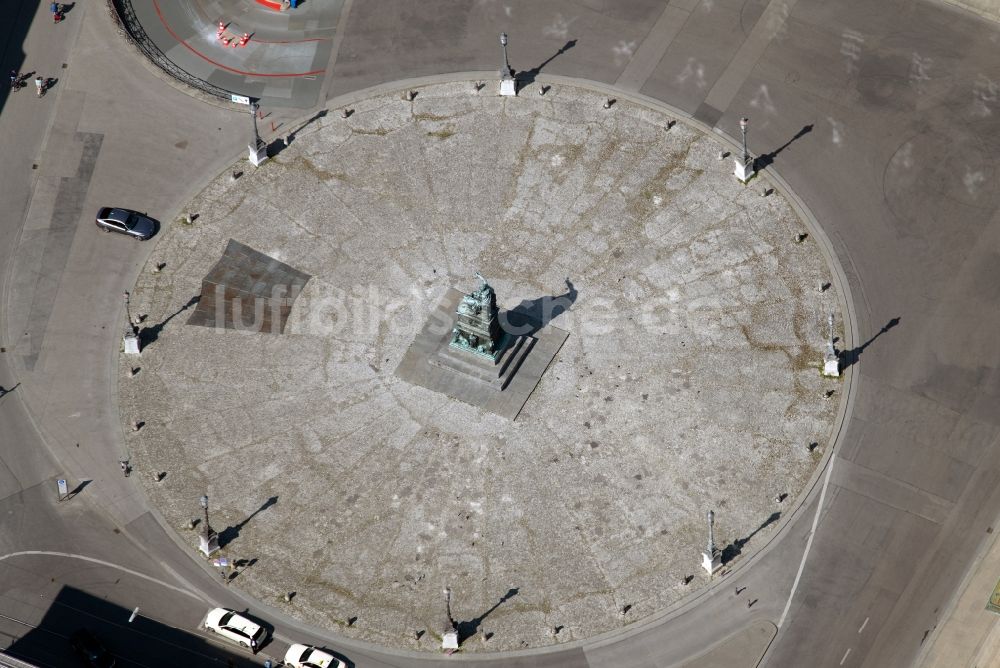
(131, 30)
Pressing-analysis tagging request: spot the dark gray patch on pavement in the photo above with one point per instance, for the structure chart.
(66, 212)
(247, 281)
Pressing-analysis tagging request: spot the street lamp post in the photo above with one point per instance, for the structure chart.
(130, 339)
(256, 147)
(209, 543)
(711, 558)
(508, 86)
(745, 168)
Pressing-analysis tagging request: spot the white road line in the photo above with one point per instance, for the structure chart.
(809, 542)
(846, 654)
(102, 563)
(863, 625)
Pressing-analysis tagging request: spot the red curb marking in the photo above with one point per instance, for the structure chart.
(187, 46)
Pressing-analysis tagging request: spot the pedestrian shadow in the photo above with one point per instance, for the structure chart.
(528, 76)
(734, 549)
(7, 390)
(229, 534)
(148, 335)
(851, 357)
(66, 8)
(467, 629)
(532, 314)
(765, 160)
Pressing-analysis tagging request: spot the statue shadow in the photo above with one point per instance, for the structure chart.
(734, 549)
(148, 335)
(229, 534)
(528, 76)
(467, 629)
(531, 315)
(851, 357)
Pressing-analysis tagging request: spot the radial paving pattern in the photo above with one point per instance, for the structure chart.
(689, 379)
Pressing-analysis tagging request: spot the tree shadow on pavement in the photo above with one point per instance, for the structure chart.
(766, 159)
(148, 335)
(467, 629)
(734, 549)
(229, 534)
(528, 76)
(851, 357)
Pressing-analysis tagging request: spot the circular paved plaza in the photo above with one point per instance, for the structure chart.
(689, 379)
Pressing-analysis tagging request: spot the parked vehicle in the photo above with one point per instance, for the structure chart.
(127, 222)
(304, 656)
(233, 626)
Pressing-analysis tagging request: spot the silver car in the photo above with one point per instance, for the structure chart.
(124, 221)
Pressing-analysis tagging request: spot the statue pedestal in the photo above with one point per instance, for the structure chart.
(711, 562)
(502, 386)
(508, 86)
(130, 343)
(449, 641)
(744, 170)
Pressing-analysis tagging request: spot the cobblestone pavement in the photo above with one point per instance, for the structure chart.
(690, 379)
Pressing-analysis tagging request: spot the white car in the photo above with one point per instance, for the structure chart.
(233, 626)
(304, 656)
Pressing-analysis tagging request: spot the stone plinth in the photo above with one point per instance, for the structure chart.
(500, 387)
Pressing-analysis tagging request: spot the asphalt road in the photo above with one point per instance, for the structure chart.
(883, 119)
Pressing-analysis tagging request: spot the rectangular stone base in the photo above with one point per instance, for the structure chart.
(508, 87)
(502, 387)
(744, 171)
(711, 562)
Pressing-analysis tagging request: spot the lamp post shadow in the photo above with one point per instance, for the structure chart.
(231, 533)
(528, 76)
(766, 159)
(851, 357)
(467, 629)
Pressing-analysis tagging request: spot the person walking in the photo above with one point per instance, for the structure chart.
(125, 467)
(40, 86)
(15, 79)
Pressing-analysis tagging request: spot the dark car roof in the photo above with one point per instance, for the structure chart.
(119, 215)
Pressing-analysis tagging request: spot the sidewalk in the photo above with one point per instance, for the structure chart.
(969, 637)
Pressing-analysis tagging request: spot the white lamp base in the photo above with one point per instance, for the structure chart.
(131, 344)
(508, 87)
(711, 562)
(744, 171)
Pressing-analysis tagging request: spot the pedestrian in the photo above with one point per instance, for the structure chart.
(253, 645)
(14, 78)
(40, 85)
(125, 467)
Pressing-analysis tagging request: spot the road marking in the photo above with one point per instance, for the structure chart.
(102, 563)
(863, 625)
(809, 542)
(846, 654)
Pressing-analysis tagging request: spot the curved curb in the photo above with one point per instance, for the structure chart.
(810, 489)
